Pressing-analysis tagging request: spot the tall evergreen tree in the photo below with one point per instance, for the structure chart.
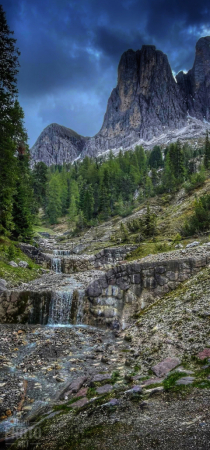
(13, 141)
(39, 183)
(72, 210)
(155, 158)
(8, 89)
(23, 199)
(88, 203)
(53, 200)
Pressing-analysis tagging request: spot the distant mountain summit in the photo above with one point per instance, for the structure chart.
(147, 106)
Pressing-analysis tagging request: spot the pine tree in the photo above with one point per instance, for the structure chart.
(53, 200)
(168, 179)
(39, 176)
(8, 71)
(148, 187)
(105, 195)
(155, 158)
(149, 223)
(23, 200)
(88, 203)
(72, 210)
(123, 232)
(13, 142)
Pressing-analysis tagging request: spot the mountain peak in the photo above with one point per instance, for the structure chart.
(146, 103)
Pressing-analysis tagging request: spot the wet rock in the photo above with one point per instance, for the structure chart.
(104, 389)
(165, 366)
(185, 381)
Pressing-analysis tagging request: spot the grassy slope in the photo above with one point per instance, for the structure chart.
(16, 275)
(171, 211)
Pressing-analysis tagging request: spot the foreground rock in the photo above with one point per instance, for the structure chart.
(165, 366)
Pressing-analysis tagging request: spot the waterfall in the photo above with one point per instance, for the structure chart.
(60, 308)
(56, 265)
(66, 307)
(62, 252)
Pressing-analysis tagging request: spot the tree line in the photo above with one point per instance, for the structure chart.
(88, 191)
(95, 189)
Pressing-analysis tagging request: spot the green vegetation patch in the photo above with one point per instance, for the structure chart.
(15, 275)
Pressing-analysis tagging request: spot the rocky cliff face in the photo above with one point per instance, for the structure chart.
(147, 103)
(146, 100)
(56, 145)
(195, 85)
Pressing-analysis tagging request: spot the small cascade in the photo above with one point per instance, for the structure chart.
(80, 306)
(60, 308)
(56, 265)
(66, 307)
(62, 252)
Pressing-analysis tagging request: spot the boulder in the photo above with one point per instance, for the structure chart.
(185, 381)
(165, 366)
(3, 285)
(193, 244)
(13, 264)
(23, 264)
(104, 389)
(204, 354)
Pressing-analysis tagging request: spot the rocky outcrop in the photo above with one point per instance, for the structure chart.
(56, 145)
(146, 100)
(98, 298)
(148, 107)
(126, 289)
(195, 85)
(107, 257)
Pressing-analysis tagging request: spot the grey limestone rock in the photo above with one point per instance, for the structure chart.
(3, 285)
(23, 264)
(13, 264)
(148, 106)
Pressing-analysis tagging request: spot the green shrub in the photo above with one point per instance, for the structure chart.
(11, 251)
(200, 220)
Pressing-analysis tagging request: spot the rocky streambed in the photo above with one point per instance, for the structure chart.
(37, 362)
(82, 380)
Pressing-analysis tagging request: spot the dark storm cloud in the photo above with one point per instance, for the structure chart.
(70, 50)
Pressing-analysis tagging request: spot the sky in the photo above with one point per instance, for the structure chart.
(70, 51)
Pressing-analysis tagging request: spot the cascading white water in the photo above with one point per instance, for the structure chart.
(56, 265)
(66, 307)
(60, 308)
(62, 252)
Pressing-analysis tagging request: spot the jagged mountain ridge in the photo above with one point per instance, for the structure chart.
(147, 105)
